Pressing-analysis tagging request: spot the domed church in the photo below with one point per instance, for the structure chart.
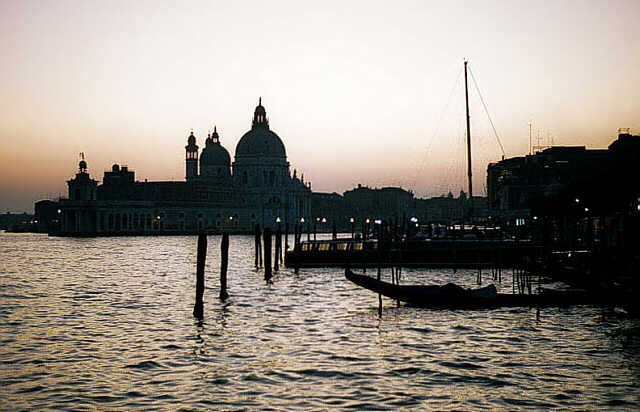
(216, 196)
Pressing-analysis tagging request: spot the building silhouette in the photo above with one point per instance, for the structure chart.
(216, 195)
(567, 180)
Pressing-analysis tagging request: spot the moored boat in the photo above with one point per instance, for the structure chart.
(425, 253)
(454, 296)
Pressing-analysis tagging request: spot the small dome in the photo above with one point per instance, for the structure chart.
(214, 154)
(115, 168)
(82, 165)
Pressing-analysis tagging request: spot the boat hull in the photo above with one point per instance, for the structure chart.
(457, 297)
(436, 253)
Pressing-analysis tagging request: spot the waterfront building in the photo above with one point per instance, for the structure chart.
(388, 203)
(215, 196)
(446, 210)
(565, 180)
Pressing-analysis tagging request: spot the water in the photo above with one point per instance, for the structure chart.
(106, 324)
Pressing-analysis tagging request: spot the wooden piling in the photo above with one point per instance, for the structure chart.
(224, 264)
(198, 310)
(277, 257)
(296, 243)
(379, 295)
(267, 254)
(258, 246)
(286, 237)
(280, 254)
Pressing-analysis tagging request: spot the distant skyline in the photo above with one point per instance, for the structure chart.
(360, 92)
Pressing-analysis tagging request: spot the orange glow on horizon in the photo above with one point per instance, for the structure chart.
(359, 93)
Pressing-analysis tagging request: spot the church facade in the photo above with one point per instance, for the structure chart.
(216, 195)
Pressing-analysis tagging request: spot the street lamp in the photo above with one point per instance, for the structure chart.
(366, 229)
(352, 221)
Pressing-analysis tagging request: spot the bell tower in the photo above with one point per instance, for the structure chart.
(191, 159)
(82, 187)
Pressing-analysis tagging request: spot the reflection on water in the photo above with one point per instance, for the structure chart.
(106, 323)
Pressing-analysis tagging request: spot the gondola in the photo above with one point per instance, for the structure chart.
(453, 296)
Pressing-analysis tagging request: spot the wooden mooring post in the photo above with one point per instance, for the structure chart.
(277, 257)
(379, 295)
(267, 254)
(258, 246)
(224, 264)
(198, 309)
(286, 236)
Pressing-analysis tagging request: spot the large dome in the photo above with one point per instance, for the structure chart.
(260, 141)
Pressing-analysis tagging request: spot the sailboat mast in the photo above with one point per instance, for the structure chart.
(466, 96)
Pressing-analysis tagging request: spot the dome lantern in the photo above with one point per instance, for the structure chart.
(214, 137)
(260, 120)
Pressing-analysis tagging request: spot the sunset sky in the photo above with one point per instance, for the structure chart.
(359, 91)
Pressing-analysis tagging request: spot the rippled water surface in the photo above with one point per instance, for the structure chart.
(106, 324)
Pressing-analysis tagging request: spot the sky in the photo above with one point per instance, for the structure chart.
(368, 92)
